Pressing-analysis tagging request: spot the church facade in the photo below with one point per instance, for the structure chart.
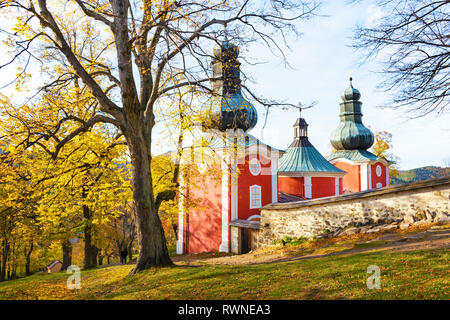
(232, 174)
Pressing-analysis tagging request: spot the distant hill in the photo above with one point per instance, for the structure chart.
(419, 174)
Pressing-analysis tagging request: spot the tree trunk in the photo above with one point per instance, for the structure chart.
(130, 250)
(5, 252)
(28, 260)
(67, 255)
(100, 257)
(150, 234)
(90, 251)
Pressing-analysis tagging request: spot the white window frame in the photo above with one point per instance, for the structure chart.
(378, 170)
(254, 171)
(255, 191)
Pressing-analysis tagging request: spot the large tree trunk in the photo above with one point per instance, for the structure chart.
(150, 234)
(90, 251)
(5, 253)
(67, 255)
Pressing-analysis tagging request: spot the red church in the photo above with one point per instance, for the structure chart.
(230, 175)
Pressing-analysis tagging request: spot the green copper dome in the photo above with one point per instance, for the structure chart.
(351, 134)
(227, 108)
(301, 156)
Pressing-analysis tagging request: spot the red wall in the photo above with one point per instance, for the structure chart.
(203, 221)
(375, 179)
(292, 185)
(246, 179)
(351, 180)
(322, 187)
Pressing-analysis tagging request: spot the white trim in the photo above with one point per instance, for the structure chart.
(224, 246)
(274, 167)
(363, 176)
(387, 176)
(255, 216)
(234, 192)
(336, 186)
(254, 166)
(308, 187)
(180, 216)
(369, 176)
(257, 188)
(378, 170)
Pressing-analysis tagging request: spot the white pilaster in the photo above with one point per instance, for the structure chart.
(180, 216)
(224, 246)
(308, 187)
(274, 167)
(363, 176)
(234, 191)
(336, 186)
(387, 176)
(369, 176)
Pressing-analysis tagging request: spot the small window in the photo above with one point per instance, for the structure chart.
(378, 170)
(255, 197)
(254, 166)
(379, 185)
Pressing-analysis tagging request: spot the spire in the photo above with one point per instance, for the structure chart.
(228, 109)
(301, 156)
(351, 134)
(300, 126)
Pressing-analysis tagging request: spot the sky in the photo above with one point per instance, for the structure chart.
(320, 64)
(321, 60)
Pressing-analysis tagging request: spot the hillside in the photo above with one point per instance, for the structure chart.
(418, 174)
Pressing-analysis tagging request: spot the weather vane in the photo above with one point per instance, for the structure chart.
(302, 107)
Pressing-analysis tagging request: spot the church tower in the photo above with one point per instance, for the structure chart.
(304, 172)
(229, 191)
(351, 139)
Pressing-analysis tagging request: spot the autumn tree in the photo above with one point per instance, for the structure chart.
(83, 188)
(131, 55)
(412, 41)
(383, 148)
(18, 222)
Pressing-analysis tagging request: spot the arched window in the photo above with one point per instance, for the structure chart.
(255, 197)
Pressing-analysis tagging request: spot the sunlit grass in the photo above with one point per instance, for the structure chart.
(405, 275)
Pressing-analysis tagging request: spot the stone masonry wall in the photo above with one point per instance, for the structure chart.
(392, 207)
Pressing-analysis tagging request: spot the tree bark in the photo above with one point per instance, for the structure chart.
(90, 251)
(67, 255)
(150, 234)
(28, 259)
(5, 253)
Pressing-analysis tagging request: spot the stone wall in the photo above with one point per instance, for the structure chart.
(386, 208)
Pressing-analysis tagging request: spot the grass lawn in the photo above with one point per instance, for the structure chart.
(404, 275)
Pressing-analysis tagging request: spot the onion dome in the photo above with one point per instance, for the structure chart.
(351, 134)
(227, 108)
(301, 156)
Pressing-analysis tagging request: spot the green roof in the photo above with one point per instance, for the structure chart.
(353, 155)
(301, 156)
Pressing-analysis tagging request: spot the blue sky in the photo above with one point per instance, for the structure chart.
(322, 59)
